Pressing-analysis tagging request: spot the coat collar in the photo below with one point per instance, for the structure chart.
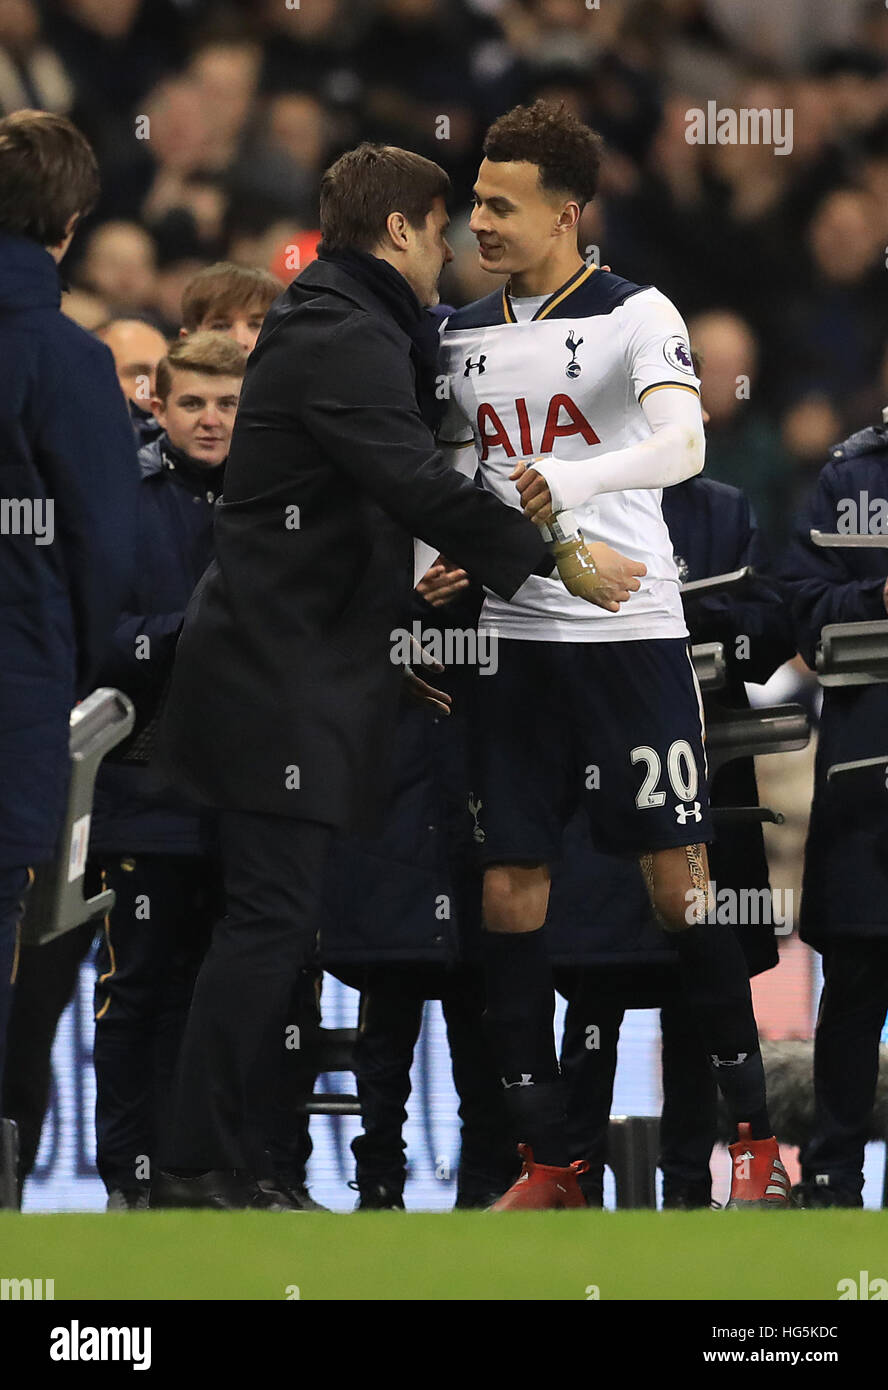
(325, 275)
(29, 277)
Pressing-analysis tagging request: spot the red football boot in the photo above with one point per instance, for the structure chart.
(758, 1178)
(541, 1188)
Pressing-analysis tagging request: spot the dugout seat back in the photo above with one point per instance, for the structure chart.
(709, 664)
(56, 903)
(749, 733)
(854, 654)
(330, 1050)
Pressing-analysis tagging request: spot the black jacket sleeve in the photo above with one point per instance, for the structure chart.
(821, 584)
(85, 452)
(360, 408)
(761, 616)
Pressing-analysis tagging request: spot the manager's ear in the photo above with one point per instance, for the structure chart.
(398, 230)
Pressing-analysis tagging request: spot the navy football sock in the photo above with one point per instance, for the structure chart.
(520, 1010)
(716, 982)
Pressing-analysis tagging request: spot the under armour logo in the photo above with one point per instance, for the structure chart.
(573, 367)
(525, 1081)
(475, 366)
(682, 814)
(728, 1061)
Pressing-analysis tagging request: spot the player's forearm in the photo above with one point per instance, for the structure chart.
(673, 452)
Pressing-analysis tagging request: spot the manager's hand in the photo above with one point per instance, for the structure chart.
(418, 690)
(441, 583)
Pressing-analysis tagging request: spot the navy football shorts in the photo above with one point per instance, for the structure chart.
(614, 727)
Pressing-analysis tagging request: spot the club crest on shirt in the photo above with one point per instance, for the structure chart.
(678, 354)
(573, 367)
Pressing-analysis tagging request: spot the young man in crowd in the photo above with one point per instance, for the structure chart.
(231, 299)
(155, 850)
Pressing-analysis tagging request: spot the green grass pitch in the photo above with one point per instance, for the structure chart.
(463, 1255)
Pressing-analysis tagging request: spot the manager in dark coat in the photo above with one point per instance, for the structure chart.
(68, 489)
(283, 699)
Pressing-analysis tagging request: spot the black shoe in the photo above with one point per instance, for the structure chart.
(687, 1196)
(289, 1196)
(218, 1190)
(127, 1199)
(822, 1192)
(378, 1197)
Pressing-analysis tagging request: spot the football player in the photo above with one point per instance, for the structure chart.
(576, 391)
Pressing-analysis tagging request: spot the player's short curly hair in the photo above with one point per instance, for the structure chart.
(567, 152)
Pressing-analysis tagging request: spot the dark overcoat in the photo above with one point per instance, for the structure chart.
(284, 693)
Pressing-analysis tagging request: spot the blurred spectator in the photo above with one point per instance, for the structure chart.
(171, 284)
(312, 48)
(283, 162)
(179, 144)
(808, 429)
(31, 73)
(419, 89)
(136, 347)
(85, 308)
(787, 33)
(119, 263)
(225, 74)
(831, 332)
(742, 446)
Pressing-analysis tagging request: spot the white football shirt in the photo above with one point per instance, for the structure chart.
(569, 382)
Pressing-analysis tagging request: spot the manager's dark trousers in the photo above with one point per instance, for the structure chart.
(222, 1094)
